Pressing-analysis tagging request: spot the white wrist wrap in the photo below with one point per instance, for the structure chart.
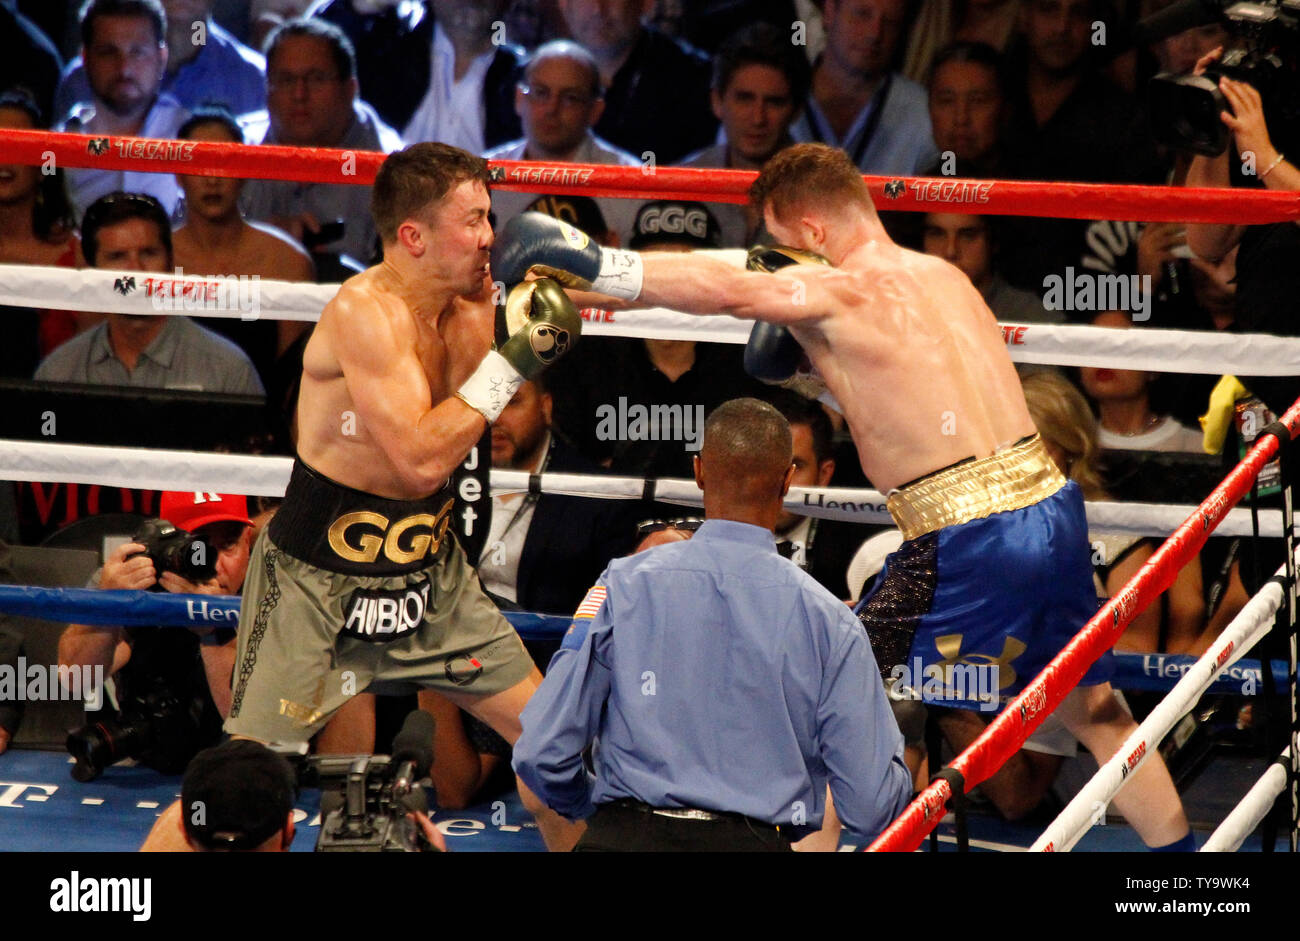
(489, 390)
(620, 274)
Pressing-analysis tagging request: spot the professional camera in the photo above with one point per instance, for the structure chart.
(174, 550)
(162, 727)
(1185, 109)
(365, 799)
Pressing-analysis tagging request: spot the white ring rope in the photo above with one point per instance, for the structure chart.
(132, 292)
(1254, 807)
(264, 476)
(1250, 624)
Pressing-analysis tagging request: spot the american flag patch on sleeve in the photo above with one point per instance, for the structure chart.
(591, 603)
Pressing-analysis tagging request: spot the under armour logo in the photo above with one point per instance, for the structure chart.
(949, 647)
(124, 286)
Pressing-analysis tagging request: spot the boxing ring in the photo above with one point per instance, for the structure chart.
(1185, 529)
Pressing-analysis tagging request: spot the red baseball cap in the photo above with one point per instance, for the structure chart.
(188, 510)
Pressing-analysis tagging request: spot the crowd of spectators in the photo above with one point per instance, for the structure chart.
(1000, 89)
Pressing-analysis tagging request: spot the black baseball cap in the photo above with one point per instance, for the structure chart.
(236, 795)
(678, 222)
(579, 211)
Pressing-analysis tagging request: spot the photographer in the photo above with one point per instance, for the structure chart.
(190, 669)
(238, 797)
(1268, 280)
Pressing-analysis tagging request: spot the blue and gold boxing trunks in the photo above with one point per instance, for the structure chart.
(993, 579)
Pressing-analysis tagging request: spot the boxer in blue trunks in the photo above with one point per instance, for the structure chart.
(994, 569)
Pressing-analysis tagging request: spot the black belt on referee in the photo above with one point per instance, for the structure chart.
(688, 813)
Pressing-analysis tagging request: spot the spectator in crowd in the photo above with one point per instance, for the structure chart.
(604, 378)
(1188, 293)
(215, 239)
(1062, 417)
(131, 232)
(969, 243)
(1179, 53)
(545, 550)
(878, 117)
(559, 100)
(1123, 400)
(205, 64)
(36, 228)
(581, 212)
(760, 84)
(967, 110)
(1066, 122)
(940, 23)
(27, 58)
(533, 22)
(697, 744)
(436, 72)
(124, 48)
(1267, 278)
(464, 105)
(656, 87)
(312, 102)
(821, 547)
(708, 25)
(265, 15)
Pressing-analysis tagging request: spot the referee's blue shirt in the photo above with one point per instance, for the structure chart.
(720, 676)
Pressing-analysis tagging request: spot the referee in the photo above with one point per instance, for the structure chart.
(726, 687)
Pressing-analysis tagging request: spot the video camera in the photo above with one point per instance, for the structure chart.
(365, 799)
(1185, 109)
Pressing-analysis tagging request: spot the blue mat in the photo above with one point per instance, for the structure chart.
(42, 808)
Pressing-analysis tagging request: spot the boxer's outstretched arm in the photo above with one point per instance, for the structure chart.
(390, 391)
(696, 283)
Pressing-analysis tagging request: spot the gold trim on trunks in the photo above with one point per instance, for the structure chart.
(1012, 479)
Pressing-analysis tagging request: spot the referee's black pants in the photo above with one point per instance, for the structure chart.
(628, 827)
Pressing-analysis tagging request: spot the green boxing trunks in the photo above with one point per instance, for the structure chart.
(345, 589)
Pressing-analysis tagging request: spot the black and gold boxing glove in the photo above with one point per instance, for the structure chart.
(772, 354)
(542, 325)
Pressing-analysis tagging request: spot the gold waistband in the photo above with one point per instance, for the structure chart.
(1012, 479)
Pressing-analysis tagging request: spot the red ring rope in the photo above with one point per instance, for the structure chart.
(1005, 734)
(320, 165)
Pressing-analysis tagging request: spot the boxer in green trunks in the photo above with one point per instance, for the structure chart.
(358, 580)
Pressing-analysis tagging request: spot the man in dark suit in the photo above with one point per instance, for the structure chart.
(545, 550)
(821, 547)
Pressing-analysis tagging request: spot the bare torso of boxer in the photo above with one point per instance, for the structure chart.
(903, 340)
(423, 355)
(918, 362)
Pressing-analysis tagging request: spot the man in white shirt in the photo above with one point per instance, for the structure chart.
(453, 109)
(878, 117)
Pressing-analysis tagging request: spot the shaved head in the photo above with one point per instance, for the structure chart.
(746, 455)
